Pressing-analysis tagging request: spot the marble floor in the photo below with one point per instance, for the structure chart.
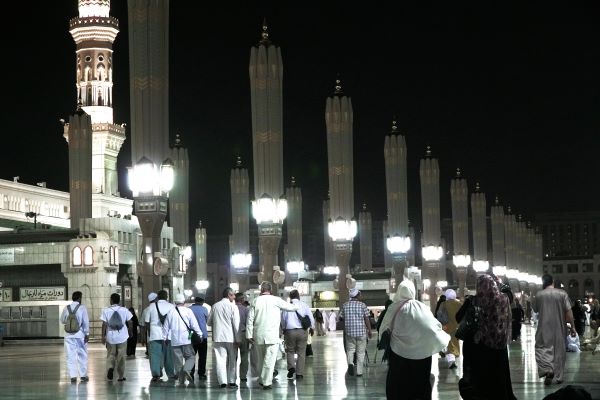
(38, 372)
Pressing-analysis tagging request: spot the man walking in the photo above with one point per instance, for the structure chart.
(242, 342)
(201, 314)
(145, 330)
(296, 336)
(159, 340)
(77, 334)
(179, 323)
(262, 331)
(356, 328)
(225, 321)
(554, 311)
(116, 329)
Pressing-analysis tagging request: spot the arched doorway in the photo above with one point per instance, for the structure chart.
(573, 289)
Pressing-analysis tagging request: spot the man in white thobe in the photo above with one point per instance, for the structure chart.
(262, 330)
(76, 343)
(225, 321)
(177, 323)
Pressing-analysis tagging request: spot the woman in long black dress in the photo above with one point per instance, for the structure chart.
(132, 341)
(486, 372)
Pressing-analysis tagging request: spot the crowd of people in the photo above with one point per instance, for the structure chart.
(250, 334)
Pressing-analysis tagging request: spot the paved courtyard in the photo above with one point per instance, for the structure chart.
(38, 372)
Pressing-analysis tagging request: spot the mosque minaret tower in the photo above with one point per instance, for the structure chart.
(94, 32)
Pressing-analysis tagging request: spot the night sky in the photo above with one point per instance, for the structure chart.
(509, 95)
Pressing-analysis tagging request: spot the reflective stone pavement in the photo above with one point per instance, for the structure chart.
(38, 372)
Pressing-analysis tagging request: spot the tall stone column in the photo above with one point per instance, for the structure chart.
(479, 226)
(459, 195)
(497, 218)
(510, 225)
(200, 243)
(179, 213)
(266, 91)
(394, 152)
(342, 226)
(365, 228)
(432, 250)
(80, 166)
(329, 253)
(294, 261)
(239, 247)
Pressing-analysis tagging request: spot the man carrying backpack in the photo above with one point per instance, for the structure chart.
(295, 333)
(116, 329)
(159, 340)
(77, 332)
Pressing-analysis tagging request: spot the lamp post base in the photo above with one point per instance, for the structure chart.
(268, 245)
(343, 251)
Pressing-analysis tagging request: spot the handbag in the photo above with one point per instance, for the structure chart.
(193, 335)
(470, 323)
(386, 337)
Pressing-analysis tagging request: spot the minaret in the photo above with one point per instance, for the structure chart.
(329, 254)
(94, 32)
(80, 167)
(268, 208)
(365, 235)
(521, 245)
(479, 227)
(342, 226)
(432, 251)
(510, 226)
(498, 238)
(459, 195)
(148, 24)
(293, 194)
(179, 213)
(239, 241)
(397, 239)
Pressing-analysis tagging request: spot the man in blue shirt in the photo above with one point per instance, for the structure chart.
(295, 336)
(201, 314)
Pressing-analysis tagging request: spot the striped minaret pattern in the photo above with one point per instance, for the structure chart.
(429, 173)
(179, 213)
(498, 238)
(148, 24)
(339, 124)
(94, 32)
(329, 254)
(459, 195)
(365, 229)
(394, 152)
(293, 194)
(266, 91)
(479, 225)
(240, 209)
(80, 167)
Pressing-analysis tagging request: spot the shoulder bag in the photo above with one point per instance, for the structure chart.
(470, 322)
(193, 335)
(386, 337)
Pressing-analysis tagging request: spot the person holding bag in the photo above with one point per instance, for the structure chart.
(486, 372)
(415, 335)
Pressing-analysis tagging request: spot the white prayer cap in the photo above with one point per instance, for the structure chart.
(179, 298)
(152, 296)
(354, 292)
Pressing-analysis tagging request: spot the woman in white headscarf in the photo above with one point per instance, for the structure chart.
(449, 308)
(416, 335)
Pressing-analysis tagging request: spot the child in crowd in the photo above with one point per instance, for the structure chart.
(573, 341)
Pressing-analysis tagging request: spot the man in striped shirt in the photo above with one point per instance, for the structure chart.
(357, 326)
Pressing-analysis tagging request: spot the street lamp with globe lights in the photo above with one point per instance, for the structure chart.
(461, 261)
(269, 214)
(342, 233)
(398, 246)
(432, 256)
(150, 187)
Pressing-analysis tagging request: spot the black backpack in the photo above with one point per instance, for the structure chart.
(304, 320)
(161, 317)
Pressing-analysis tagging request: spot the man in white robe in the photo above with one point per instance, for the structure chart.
(332, 321)
(225, 321)
(554, 311)
(262, 331)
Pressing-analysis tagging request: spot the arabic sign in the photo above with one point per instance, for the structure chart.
(42, 293)
(6, 294)
(7, 256)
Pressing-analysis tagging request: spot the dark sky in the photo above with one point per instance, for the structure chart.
(510, 95)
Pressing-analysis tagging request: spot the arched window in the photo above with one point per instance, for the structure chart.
(88, 256)
(116, 255)
(76, 257)
(111, 255)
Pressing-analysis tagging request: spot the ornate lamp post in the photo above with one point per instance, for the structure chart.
(150, 187)
(398, 246)
(239, 246)
(459, 193)
(341, 226)
(478, 216)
